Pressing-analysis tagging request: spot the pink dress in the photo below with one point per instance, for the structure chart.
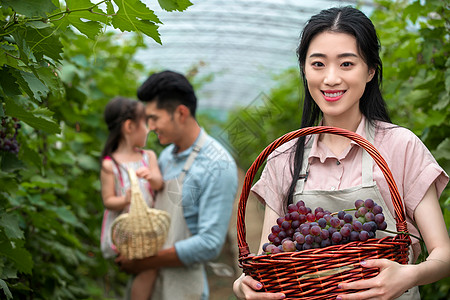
(122, 183)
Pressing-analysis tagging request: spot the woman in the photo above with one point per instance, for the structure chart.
(341, 71)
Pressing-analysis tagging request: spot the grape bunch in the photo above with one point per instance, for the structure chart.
(302, 229)
(8, 135)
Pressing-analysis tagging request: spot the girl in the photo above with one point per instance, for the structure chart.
(341, 71)
(127, 135)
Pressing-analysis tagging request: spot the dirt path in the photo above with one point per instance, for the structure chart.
(221, 286)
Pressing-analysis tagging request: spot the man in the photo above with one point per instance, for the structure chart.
(200, 185)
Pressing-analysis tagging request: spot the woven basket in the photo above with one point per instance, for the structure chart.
(143, 230)
(316, 273)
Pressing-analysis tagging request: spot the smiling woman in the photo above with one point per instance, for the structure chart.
(337, 77)
(341, 71)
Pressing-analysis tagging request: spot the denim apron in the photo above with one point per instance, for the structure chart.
(185, 282)
(337, 200)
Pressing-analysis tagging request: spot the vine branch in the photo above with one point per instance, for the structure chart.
(60, 15)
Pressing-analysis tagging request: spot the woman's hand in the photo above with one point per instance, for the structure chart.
(245, 287)
(393, 280)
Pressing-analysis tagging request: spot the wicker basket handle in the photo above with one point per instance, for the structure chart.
(137, 205)
(396, 200)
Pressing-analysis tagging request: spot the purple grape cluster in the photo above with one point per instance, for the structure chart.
(302, 229)
(8, 135)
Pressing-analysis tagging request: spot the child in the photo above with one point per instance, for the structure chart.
(341, 69)
(127, 135)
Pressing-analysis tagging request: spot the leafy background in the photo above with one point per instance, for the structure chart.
(59, 65)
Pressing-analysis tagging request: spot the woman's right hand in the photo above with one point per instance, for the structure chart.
(245, 287)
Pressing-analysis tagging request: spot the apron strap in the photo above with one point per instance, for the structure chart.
(300, 185)
(193, 155)
(367, 161)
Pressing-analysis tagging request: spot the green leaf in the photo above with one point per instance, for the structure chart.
(9, 54)
(9, 183)
(171, 5)
(10, 226)
(15, 110)
(41, 185)
(39, 42)
(65, 214)
(20, 256)
(443, 102)
(87, 162)
(413, 10)
(87, 22)
(8, 84)
(133, 15)
(417, 95)
(31, 85)
(109, 8)
(27, 155)
(10, 162)
(447, 77)
(5, 289)
(30, 8)
(442, 150)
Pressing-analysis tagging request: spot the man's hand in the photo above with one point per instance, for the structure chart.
(127, 265)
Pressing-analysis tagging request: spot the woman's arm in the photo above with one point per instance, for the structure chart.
(394, 279)
(152, 173)
(428, 217)
(110, 200)
(245, 287)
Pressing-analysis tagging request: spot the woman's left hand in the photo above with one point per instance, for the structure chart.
(393, 280)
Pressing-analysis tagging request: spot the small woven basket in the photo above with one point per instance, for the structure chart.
(316, 273)
(143, 230)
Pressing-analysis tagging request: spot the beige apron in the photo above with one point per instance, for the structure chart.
(342, 199)
(186, 282)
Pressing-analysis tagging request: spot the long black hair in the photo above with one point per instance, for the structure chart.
(351, 21)
(116, 112)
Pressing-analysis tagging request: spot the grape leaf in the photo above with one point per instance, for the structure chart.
(31, 85)
(10, 162)
(15, 110)
(49, 78)
(171, 5)
(8, 84)
(38, 42)
(64, 214)
(10, 226)
(133, 15)
(30, 8)
(88, 23)
(8, 52)
(442, 151)
(5, 289)
(15, 251)
(30, 156)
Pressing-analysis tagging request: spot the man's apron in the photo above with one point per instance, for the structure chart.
(341, 199)
(186, 282)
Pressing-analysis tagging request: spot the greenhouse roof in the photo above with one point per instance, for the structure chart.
(242, 43)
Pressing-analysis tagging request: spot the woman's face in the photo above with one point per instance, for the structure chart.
(336, 75)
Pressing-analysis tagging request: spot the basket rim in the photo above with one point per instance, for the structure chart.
(362, 142)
